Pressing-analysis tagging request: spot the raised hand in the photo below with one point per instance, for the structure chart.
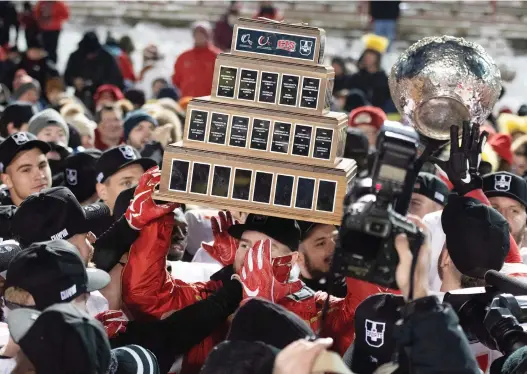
(257, 278)
(143, 209)
(224, 247)
(462, 166)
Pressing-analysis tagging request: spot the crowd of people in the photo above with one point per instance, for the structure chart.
(99, 277)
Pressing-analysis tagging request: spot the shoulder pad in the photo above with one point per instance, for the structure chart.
(304, 293)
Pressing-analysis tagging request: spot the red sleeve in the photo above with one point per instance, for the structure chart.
(514, 252)
(147, 287)
(127, 69)
(36, 11)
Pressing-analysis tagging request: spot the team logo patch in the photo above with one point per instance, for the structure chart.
(287, 45)
(127, 152)
(71, 177)
(375, 333)
(502, 182)
(305, 47)
(264, 41)
(20, 138)
(246, 38)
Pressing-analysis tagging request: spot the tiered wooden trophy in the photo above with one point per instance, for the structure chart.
(265, 141)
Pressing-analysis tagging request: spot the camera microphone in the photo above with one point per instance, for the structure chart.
(505, 284)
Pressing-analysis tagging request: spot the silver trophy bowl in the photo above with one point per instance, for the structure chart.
(442, 81)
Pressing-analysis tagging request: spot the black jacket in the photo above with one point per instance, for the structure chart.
(374, 85)
(176, 334)
(40, 70)
(432, 333)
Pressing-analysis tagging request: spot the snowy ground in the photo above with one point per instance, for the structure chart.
(172, 41)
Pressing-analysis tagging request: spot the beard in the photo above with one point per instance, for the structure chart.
(314, 273)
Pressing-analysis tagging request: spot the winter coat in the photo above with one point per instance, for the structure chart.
(194, 70)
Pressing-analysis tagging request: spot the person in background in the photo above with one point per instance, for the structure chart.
(369, 120)
(25, 168)
(341, 75)
(109, 131)
(49, 126)
(136, 96)
(28, 90)
(54, 90)
(430, 195)
(269, 11)
(8, 19)
(80, 175)
(157, 85)
(86, 129)
(224, 27)
(384, 15)
(28, 22)
(15, 118)
(107, 94)
(33, 62)
(371, 78)
(315, 255)
(89, 67)
(507, 194)
(118, 169)
(50, 16)
(138, 129)
(194, 69)
(519, 158)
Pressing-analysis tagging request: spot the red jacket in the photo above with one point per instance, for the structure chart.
(149, 291)
(194, 70)
(50, 15)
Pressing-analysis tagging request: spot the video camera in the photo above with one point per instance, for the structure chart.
(493, 316)
(365, 249)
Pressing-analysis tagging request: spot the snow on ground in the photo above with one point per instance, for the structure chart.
(172, 41)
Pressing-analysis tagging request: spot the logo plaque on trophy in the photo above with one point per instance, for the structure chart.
(264, 141)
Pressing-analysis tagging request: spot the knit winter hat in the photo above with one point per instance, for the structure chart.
(134, 118)
(48, 117)
(30, 84)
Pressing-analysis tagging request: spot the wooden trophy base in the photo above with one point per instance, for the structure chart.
(273, 85)
(264, 133)
(275, 188)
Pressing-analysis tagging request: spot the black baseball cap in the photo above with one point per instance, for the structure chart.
(53, 272)
(117, 158)
(375, 323)
(8, 250)
(18, 142)
(54, 213)
(477, 236)
(506, 185)
(283, 230)
(61, 339)
(79, 173)
(17, 112)
(431, 187)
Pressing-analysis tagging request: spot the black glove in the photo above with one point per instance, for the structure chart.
(462, 168)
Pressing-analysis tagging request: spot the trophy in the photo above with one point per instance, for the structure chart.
(265, 141)
(442, 81)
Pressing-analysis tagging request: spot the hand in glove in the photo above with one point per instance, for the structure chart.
(143, 209)
(224, 247)
(114, 322)
(257, 278)
(462, 166)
